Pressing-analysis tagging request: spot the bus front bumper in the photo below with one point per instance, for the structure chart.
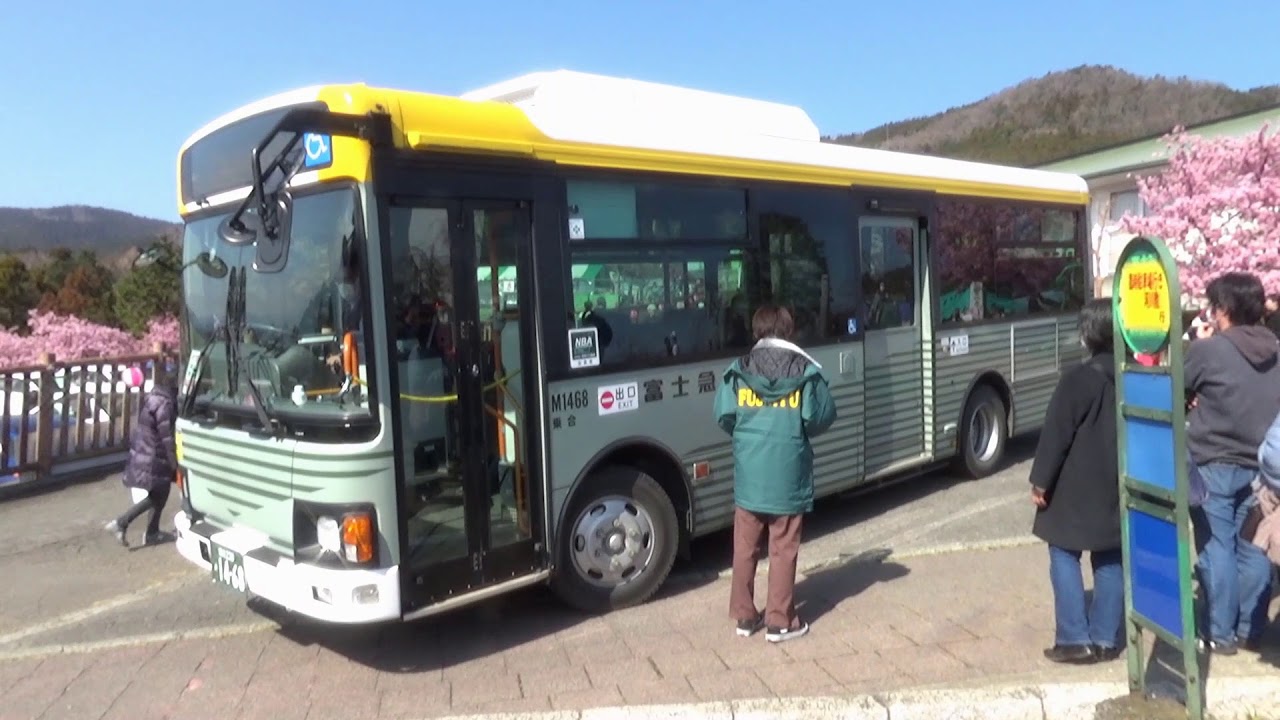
(331, 595)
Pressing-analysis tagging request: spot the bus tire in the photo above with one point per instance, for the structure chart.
(984, 431)
(618, 543)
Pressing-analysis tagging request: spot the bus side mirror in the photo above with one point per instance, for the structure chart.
(271, 249)
(150, 256)
(210, 265)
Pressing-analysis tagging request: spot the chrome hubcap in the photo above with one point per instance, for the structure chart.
(613, 541)
(984, 436)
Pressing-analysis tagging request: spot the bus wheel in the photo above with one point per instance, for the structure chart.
(619, 542)
(984, 428)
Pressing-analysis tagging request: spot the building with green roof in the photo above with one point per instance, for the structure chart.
(1112, 173)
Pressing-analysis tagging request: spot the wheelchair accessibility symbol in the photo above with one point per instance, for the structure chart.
(319, 150)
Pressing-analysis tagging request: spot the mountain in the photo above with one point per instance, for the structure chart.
(1062, 114)
(1038, 120)
(78, 227)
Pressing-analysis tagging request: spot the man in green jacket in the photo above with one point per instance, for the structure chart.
(773, 401)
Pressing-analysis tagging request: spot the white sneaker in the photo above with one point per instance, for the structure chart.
(114, 528)
(777, 635)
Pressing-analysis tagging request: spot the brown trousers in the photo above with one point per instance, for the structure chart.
(784, 548)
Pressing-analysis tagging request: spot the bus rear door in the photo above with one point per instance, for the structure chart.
(899, 337)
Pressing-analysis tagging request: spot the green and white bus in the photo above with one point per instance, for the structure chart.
(396, 400)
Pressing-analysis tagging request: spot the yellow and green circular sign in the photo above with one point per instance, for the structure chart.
(1143, 301)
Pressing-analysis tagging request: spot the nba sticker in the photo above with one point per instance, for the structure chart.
(623, 397)
(584, 347)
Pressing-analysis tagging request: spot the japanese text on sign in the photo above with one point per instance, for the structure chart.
(1144, 303)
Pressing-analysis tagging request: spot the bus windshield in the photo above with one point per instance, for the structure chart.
(293, 320)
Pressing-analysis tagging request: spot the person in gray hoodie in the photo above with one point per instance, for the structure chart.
(1233, 383)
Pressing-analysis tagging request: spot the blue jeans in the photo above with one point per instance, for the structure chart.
(1235, 575)
(1101, 624)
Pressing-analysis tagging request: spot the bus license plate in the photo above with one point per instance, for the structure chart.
(227, 567)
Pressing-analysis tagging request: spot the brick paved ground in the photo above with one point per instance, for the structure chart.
(88, 630)
(961, 618)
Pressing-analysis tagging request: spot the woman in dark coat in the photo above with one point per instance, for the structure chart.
(153, 460)
(1075, 488)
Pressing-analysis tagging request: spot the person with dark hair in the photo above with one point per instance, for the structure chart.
(589, 316)
(1076, 491)
(337, 307)
(1273, 313)
(773, 401)
(153, 461)
(1233, 378)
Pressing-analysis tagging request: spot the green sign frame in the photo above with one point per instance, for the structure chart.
(1155, 515)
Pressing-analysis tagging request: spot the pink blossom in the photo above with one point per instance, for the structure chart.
(162, 330)
(1217, 206)
(71, 338)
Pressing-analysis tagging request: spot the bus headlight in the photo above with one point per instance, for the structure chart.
(328, 534)
(335, 535)
(357, 537)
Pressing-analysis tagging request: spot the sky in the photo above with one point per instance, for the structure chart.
(99, 96)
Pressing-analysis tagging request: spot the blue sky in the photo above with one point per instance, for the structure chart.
(99, 95)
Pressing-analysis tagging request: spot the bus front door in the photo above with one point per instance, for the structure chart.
(459, 281)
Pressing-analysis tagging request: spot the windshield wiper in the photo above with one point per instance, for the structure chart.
(373, 127)
(189, 399)
(219, 331)
(235, 329)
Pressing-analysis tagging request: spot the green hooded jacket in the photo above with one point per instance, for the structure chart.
(773, 401)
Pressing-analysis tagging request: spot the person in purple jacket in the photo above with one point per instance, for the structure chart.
(153, 460)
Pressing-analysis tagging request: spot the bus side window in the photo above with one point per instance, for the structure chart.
(888, 273)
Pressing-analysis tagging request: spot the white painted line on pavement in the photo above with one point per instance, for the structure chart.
(975, 546)
(975, 509)
(918, 552)
(811, 566)
(209, 633)
(159, 587)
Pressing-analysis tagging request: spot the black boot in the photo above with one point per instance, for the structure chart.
(1073, 654)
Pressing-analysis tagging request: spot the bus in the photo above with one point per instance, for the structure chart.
(439, 348)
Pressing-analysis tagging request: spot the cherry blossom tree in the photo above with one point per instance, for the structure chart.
(71, 338)
(1217, 206)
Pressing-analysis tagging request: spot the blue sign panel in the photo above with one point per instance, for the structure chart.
(1153, 558)
(1147, 390)
(319, 149)
(1150, 447)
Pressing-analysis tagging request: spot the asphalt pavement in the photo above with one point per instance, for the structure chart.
(928, 593)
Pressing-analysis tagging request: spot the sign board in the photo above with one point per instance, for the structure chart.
(613, 399)
(584, 347)
(1143, 300)
(1155, 524)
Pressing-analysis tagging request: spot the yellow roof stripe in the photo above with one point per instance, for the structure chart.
(425, 121)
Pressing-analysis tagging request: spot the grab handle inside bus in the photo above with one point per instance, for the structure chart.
(350, 355)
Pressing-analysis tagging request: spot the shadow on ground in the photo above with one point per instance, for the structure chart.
(1137, 707)
(1164, 694)
(822, 590)
(503, 624)
(713, 553)
(483, 630)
